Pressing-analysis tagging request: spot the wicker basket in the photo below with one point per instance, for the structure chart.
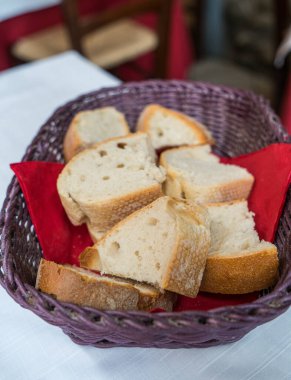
(241, 122)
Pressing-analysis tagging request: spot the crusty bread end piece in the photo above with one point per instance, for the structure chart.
(167, 127)
(164, 244)
(238, 262)
(103, 184)
(85, 288)
(92, 126)
(195, 173)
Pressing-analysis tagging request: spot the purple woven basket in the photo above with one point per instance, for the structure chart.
(240, 122)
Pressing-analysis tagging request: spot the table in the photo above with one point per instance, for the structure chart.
(12, 8)
(30, 348)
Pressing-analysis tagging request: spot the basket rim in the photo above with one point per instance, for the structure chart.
(222, 90)
(269, 303)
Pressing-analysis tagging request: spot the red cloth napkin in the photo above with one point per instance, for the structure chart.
(62, 242)
(271, 168)
(59, 239)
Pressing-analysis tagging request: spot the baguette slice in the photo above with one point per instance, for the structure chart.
(107, 182)
(94, 233)
(238, 262)
(167, 127)
(195, 173)
(164, 244)
(89, 127)
(85, 288)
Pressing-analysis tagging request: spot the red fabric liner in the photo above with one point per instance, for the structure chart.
(271, 168)
(62, 242)
(59, 239)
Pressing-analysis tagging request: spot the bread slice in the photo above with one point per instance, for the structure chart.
(238, 262)
(103, 184)
(164, 244)
(195, 173)
(94, 233)
(89, 127)
(167, 127)
(85, 288)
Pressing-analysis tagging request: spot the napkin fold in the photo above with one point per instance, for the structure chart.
(62, 242)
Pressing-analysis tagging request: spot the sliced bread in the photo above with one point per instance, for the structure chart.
(85, 288)
(89, 127)
(164, 244)
(94, 233)
(238, 262)
(195, 173)
(167, 127)
(103, 184)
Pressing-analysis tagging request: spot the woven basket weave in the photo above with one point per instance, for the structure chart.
(240, 122)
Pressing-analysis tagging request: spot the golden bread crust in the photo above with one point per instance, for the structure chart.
(241, 274)
(68, 284)
(73, 143)
(185, 269)
(197, 128)
(104, 214)
(177, 186)
(184, 273)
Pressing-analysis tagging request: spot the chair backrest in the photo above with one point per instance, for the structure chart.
(131, 8)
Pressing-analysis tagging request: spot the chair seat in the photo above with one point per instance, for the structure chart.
(108, 46)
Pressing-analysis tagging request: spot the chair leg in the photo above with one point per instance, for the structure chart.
(163, 31)
(282, 17)
(281, 80)
(71, 19)
(15, 61)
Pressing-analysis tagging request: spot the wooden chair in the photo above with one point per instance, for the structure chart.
(108, 39)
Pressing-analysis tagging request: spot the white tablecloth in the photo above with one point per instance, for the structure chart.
(12, 8)
(31, 349)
